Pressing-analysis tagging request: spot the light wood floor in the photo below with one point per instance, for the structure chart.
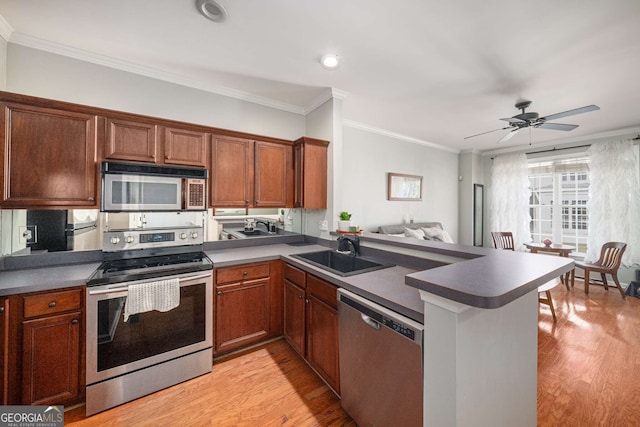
(589, 361)
(588, 375)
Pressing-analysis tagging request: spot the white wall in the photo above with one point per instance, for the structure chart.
(368, 157)
(47, 75)
(3, 63)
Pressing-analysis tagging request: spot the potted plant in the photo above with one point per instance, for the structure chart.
(344, 224)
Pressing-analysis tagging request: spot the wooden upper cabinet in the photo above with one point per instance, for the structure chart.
(129, 140)
(273, 175)
(231, 172)
(310, 168)
(185, 147)
(48, 157)
(247, 173)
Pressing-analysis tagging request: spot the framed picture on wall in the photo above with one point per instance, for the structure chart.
(404, 187)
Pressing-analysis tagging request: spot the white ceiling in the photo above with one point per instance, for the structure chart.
(435, 71)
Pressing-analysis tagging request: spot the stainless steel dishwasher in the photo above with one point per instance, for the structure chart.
(381, 377)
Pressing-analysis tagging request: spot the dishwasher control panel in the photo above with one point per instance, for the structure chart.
(399, 328)
(375, 315)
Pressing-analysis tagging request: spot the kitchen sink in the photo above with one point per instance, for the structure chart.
(341, 264)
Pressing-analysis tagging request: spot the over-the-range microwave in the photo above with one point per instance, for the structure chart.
(135, 187)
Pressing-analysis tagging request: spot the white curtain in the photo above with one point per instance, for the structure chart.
(614, 199)
(509, 207)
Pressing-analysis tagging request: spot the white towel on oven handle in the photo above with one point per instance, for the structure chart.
(161, 295)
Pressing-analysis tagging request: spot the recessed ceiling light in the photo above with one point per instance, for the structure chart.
(211, 9)
(330, 61)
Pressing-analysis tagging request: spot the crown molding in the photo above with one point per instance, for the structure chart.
(330, 93)
(6, 30)
(118, 64)
(362, 126)
(568, 142)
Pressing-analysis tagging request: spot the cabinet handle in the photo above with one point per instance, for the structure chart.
(1, 309)
(52, 304)
(91, 199)
(307, 300)
(257, 202)
(244, 273)
(219, 292)
(299, 296)
(246, 202)
(74, 322)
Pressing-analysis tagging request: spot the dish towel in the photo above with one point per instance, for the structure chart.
(161, 295)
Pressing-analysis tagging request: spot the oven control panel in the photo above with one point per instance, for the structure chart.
(119, 240)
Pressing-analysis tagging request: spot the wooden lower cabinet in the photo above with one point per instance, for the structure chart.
(46, 346)
(311, 327)
(248, 305)
(294, 316)
(4, 348)
(50, 359)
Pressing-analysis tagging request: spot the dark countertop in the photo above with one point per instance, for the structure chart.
(479, 277)
(45, 278)
(385, 287)
(482, 277)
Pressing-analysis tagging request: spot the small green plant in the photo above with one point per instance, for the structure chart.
(282, 212)
(345, 216)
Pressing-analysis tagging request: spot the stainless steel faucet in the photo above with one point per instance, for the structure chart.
(344, 242)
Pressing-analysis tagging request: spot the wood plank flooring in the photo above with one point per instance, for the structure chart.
(588, 375)
(269, 385)
(589, 361)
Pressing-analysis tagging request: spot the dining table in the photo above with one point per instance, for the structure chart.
(557, 248)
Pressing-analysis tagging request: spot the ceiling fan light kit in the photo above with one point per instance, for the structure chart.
(533, 120)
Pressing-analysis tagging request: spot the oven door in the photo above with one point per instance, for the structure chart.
(122, 192)
(115, 347)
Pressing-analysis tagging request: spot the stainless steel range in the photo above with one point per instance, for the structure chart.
(132, 355)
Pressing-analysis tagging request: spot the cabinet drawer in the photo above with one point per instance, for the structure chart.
(51, 303)
(241, 273)
(324, 291)
(295, 275)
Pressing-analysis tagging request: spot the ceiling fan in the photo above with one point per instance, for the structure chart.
(532, 120)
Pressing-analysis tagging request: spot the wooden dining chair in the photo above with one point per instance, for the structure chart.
(609, 262)
(504, 240)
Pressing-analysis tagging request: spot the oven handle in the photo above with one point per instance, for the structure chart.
(126, 288)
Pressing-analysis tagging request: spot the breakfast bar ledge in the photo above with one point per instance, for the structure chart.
(480, 338)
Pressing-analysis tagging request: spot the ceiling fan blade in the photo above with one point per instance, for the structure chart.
(513, 120)
(483, 133)
(509, 135)
(557, 126)
(571, 112)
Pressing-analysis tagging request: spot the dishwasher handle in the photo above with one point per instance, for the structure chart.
(370, 322)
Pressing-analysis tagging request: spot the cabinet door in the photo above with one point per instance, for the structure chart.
(4, 348)
(310, 165)
(127, 140)
(322, 340)
(294, 316)
(242, 314)
(273, 175)
(231, 181)
(183, 147)
(48, 158)
(50, 359)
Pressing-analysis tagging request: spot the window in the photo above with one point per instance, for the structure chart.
(565, 184)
